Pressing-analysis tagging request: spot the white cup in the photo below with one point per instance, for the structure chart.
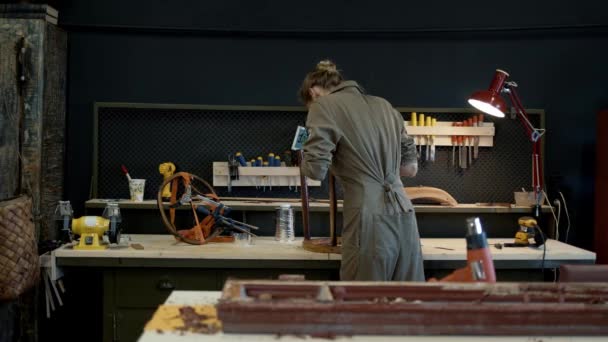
(136, 189)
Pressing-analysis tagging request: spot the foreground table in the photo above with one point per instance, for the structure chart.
(139, 277)
(211, 297)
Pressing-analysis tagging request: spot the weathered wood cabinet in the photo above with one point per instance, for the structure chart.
(33, 61)
(33, 58)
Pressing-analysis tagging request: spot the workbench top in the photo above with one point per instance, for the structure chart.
(211, 298)
(266, 249)
(255, 204)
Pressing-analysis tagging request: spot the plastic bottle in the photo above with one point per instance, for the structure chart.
(284, 224)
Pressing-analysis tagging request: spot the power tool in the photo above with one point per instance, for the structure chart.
(528, 229)
(480, 265)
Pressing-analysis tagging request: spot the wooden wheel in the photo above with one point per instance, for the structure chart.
(190, 190)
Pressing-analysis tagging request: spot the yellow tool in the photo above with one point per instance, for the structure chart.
(528, 229)
(166, 169)
(91, 229)
(414, 123)
(525, 232)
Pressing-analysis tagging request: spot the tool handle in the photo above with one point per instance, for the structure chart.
(421, 119)
(414, 119)
(433, 123)
(125, 171)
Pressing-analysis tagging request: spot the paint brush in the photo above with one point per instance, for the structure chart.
(126, 172)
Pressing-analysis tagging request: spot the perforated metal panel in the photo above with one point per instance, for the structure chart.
(141, 137)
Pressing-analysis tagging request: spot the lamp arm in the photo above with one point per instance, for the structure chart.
(534, 133)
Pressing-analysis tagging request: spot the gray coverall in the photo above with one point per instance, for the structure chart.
(363, 138)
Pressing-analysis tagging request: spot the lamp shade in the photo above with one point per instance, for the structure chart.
(489, 101)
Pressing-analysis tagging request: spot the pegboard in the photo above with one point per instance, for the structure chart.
(142, 136)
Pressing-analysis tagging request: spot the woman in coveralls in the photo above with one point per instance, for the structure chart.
(363, 139)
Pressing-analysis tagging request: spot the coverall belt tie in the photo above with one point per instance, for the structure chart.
(391, 185)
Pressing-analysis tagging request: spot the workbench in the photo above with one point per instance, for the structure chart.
(136, 281)
(211, 297)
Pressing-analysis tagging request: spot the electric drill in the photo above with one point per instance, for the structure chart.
(480, 265)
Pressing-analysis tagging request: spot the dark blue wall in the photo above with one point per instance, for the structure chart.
(431, 54)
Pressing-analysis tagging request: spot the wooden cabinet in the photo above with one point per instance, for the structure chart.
(132, 295)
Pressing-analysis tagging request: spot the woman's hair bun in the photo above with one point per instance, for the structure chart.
(327, 65)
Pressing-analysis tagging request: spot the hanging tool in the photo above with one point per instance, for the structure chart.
(421, 123)
(475, 139)
(466, 143)
(414, 123)
(429, 122)
(463, 151)
(479, 124)
(465, 123)
(233, 171)
(454, 142)
(256, 179)
(433, 123)
(470, 124)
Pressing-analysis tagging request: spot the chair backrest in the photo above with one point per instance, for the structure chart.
(583, 273)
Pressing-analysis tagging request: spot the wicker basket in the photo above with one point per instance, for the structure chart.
(19, 268)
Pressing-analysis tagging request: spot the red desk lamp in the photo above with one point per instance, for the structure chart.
(490, 102)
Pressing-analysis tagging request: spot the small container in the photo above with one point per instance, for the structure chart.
(525, 199)
(284, 224)
(242, 239)
(136, 189)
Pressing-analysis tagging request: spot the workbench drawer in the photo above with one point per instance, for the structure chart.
(148, 288)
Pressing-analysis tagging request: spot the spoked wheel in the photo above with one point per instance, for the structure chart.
(190, 190)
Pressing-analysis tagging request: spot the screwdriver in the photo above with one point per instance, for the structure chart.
(475, 139)
(433, 123)
(414, 123)
(421, 123)
(479, 123)
(463, 151)
(466, 143)
(429, 123)
(470, 124)
(454, 142)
